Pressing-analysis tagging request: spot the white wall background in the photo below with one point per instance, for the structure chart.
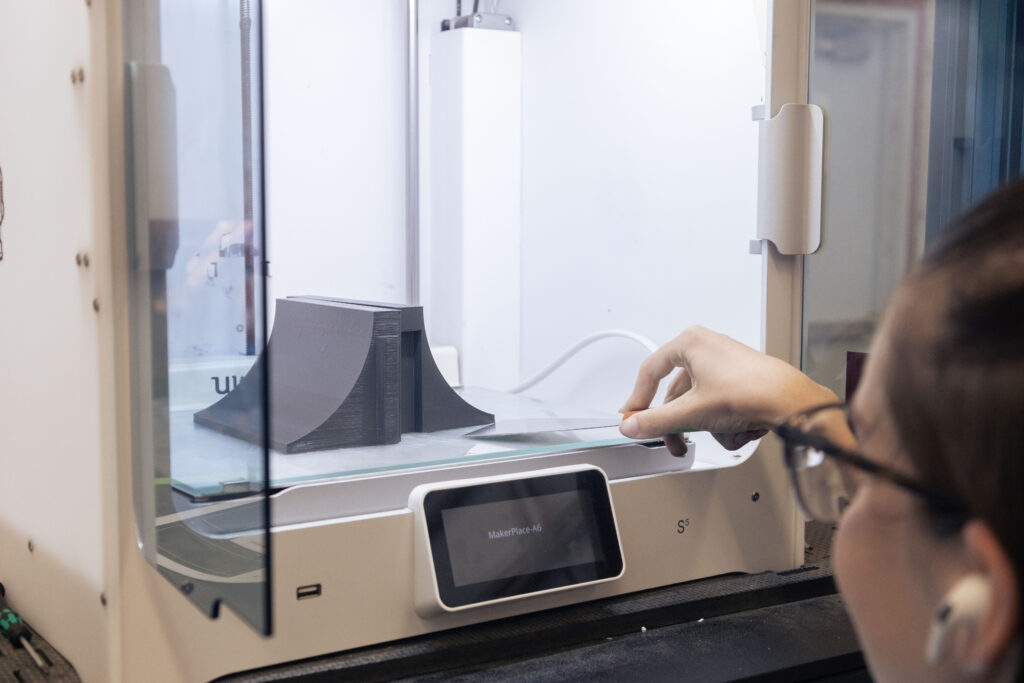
(335, 154)
(639, 165)
(639, 168)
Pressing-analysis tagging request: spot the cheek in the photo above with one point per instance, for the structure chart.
(870, 563)
(858, 558)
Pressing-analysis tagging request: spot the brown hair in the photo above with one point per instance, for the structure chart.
(955, 376)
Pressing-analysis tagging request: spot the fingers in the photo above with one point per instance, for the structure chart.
(661, 420)
(681, 383)
(656, 367)
(734, 440)
(676, 445)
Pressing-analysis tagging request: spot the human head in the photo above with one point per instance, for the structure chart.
(943, 400)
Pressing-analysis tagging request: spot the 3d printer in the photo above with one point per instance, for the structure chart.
(505, 180)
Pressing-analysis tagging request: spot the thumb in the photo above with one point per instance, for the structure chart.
(660, 420)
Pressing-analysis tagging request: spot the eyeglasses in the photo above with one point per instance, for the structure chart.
(826, 476)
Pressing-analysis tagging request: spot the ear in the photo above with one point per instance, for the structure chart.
(983, 647)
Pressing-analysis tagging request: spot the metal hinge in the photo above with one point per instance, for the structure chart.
(487, 20)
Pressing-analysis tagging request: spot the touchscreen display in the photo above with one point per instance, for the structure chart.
(522, 536)
(514, 537)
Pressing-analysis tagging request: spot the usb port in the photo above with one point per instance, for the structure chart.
(311, 591)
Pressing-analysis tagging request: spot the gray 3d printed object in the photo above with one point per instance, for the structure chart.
(342, 373)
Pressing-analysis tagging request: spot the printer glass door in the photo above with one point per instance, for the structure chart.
(196, 293)
(924, 118)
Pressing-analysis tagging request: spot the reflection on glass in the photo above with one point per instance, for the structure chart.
(195, 232)
(924, 117)
(870, 72)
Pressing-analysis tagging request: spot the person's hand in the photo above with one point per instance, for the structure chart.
(721, 386)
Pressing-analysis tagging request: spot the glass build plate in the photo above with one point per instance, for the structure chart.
(208, 464)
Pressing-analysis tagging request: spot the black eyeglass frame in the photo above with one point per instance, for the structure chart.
(951, 510)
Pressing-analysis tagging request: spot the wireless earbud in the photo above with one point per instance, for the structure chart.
(965, 603)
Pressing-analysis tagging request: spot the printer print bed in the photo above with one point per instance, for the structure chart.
(207, 463)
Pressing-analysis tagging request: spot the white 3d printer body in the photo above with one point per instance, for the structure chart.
(77, 517)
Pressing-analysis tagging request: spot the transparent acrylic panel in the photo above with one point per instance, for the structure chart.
(924, 117)
(870, 70)
(193, 128)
